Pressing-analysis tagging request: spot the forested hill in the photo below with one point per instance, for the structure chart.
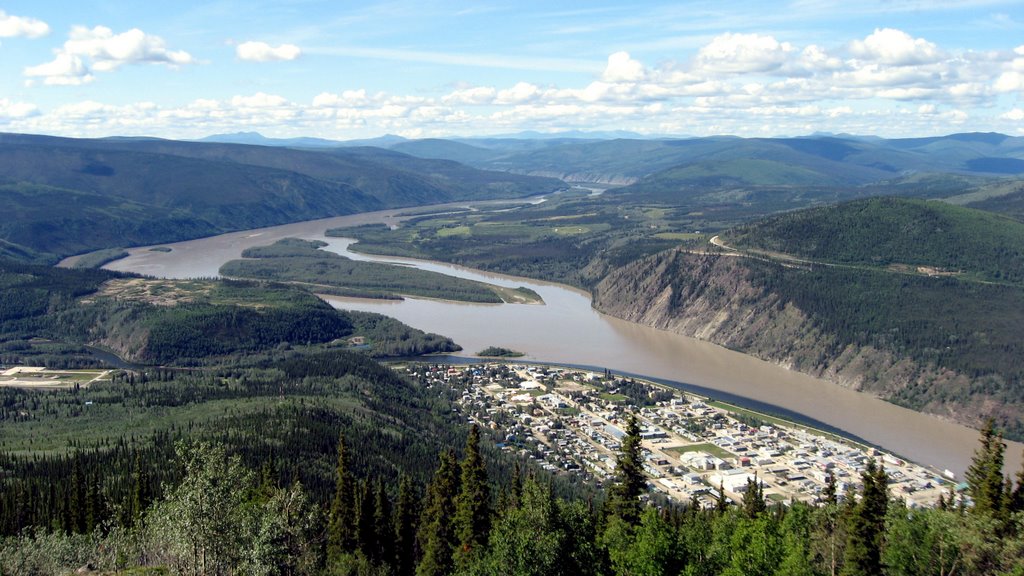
(918, 302)
(48, 316)
(65, 196)
(892, 231)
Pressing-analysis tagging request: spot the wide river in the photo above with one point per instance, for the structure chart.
(567, 330)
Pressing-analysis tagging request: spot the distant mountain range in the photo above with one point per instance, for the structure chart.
(720, 161)
(76, 195)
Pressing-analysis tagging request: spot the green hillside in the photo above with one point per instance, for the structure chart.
(48, 315)
(920, 302)
(893, 231)
(72, 196)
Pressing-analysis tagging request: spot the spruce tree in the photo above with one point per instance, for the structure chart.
(472, 506)
(437, 535)
(95, 505)
(753, 498)
(830, 497)
(630, 482)
(867, 525)
(142, 494)
(384, 529)
(406, 514)
(341, 521)
(77, 498)
(985, 484)
(366, 537)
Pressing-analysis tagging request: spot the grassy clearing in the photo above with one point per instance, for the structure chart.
(608, 396)
(571, 230)
(679, 236)
(459, 231)
(711, 449)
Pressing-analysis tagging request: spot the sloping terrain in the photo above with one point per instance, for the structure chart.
(49, 314)
(935, 325)
(71, 196)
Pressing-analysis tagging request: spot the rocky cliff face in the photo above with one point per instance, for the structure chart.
(712, 297)
(594, 177)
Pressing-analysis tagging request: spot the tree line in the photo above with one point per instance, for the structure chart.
(223, 517)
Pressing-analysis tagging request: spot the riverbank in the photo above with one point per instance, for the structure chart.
(568, 330)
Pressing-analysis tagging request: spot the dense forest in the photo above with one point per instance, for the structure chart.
(302, 263)
(217, 510)
(67, 196)
(891, 231)
(48, 314)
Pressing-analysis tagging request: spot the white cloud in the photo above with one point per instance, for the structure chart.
(346, 98)
(742, 53)
(12, 26)
(812, 60)
(64, 70)
(622, 68)
(263, 52)
(1012, 81)
(520, 93)
(896, 48)
(477, 95)
(259, 100)
(746, 84)
(16, 110)
(99, 49)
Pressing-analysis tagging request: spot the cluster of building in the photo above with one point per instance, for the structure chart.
(573, 421)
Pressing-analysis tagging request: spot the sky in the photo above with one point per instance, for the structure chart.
(346, 70)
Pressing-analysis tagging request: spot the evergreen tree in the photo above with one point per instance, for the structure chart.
(95, 505)
(753, 498)
(472, 506)
(76, 499)
(437, 534)
(142, 494)
(406, 513)
(985, 484)
(721, 504)
(829, 494)
(630, 482)
(384, 528)
(366, 537)
(341, 525)
(867, 525)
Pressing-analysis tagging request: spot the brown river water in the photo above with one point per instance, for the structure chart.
(566, 329)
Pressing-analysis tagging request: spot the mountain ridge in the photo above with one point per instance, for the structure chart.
(71, 194)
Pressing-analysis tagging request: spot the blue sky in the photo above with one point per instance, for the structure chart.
(346, 70)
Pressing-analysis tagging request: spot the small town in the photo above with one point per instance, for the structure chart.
(572, 421)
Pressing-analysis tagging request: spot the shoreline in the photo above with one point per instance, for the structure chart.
(553, 332)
